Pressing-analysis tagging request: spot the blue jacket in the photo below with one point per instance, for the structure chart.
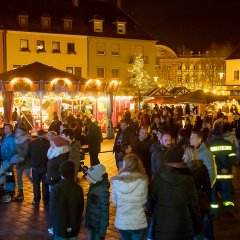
(7, 148)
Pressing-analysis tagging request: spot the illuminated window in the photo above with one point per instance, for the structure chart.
(46, 22)
(24, 45)
(67, 24)
(179, 67)
(23, 20)
(15, 66)
(71, 48)
(101, 48)
(121, 28)
(236, 75)
(115, 73)
(56, 47)
(69, 70)
(40, 46)
(115, 49)
(98, 25)
(179, 79)
(78, 71)
(100, 73)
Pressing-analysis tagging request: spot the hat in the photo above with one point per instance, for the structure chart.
(41, 132)
(217, 131)
(60, 141)
(67, 169)
(174, 154)
(96, 172)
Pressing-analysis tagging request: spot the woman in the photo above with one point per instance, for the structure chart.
(129, 194)
(156, 128)
(203, 186)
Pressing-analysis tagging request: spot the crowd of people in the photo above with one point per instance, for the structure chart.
(173, 178)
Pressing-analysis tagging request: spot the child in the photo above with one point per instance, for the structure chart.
(97, 210)
(125, 149)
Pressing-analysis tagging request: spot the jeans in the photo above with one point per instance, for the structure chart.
(119, 159)
(19, 176)
(10, 180)
(39, 175)
(61, 238)
(94, 234)
(132, 234)
(208, 226)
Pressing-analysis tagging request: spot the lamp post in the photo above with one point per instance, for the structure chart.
(221, 74)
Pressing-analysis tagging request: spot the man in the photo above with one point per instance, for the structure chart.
(124, 135)
(225, 159)
(7, 152)
(158, 150)
(75, 148)
(142, 149)
(204, 154)
(94, 139)
(67, 204)
(14, 115)
(37, 151)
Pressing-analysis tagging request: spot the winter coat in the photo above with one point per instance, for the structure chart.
(74, 156)
(157, 156)
(231, 137)
(66, 203)
(94, 138)
(129, 195)
(202, 183)
(21, 150)
(176, 215)
(37, 151)
(208, 159)
(53, 165)
(142, 149)
(7, 147)
(97, 209)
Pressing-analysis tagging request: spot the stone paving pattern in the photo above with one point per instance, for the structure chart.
(23, 221)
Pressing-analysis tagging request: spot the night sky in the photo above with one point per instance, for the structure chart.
(193, 23)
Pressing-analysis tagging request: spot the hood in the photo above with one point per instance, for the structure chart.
(229, 136)
(174, 176)
(57, 151)
(127, 182)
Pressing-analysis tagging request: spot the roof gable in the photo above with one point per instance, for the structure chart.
(235, 54)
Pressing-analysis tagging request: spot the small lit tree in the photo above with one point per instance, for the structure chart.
(141, 80)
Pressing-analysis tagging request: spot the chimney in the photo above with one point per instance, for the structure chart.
(75, 3)
(119, 4)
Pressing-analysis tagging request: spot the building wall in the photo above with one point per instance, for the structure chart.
(231, 66)
(58, 60)
(2, 61)
(127, 49)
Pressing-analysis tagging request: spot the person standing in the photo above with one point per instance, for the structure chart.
(174, 199)
(7, 152)
(94, 139)
(37, 152)
(129, 195)
(97, 209)
(14, 115)
(67, 204)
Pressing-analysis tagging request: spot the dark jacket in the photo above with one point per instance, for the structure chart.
(142, 149)
(67, 203)
(176, 214)
(94, 138)
(97, 209)
(37, 151)
(53, 165)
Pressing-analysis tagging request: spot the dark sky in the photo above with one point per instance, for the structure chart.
(193, 23)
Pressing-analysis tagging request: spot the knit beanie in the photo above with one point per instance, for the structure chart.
(174, 154)
(96, 172)
(67, 169)
(60, 141)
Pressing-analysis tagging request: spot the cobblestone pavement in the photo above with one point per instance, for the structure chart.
(22, 221)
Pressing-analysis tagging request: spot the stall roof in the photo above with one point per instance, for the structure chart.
(37, 71)
(159, 92)
(177, 91)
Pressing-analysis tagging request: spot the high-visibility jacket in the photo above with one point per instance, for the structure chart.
(224, 157)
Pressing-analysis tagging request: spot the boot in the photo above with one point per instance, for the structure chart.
(19, 196)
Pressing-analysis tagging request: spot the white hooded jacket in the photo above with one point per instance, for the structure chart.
(129, 195)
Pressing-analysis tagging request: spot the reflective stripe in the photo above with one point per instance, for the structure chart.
(214, 206)
(228, 203)
(220, 148)
(231, 154)
(224, 176)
